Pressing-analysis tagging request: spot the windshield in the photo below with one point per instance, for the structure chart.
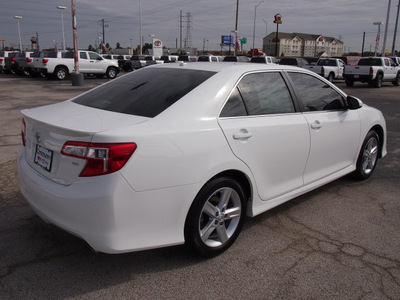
(146, 93)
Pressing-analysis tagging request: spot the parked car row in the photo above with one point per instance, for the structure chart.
(57, 64)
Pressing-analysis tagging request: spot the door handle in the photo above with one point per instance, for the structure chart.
(243, 134)
(316, 125)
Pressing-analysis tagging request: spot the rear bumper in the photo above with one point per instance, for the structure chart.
(106, 212)
(363, 78)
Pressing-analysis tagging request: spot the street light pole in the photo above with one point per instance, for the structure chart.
(236, 25)
(19, 32)
(61, 8)
(395, 28)
(254, 28)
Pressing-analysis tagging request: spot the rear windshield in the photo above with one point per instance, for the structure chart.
(370, 62)
(146, 93)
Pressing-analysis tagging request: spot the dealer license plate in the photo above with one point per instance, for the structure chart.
(43, 157)
(356, 76)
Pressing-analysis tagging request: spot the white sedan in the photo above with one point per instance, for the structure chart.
(181, 153)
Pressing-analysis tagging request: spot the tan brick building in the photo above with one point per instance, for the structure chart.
(302, 45)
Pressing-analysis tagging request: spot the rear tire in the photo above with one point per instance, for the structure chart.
(61, 73)
(349, 82)
(368, 156)
(378, 81)
(331, 76)
(216, 217)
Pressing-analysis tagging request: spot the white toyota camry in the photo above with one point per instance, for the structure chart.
(181, 153)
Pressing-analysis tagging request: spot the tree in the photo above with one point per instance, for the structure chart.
(90, 48)
(147, 46)
(118, 46)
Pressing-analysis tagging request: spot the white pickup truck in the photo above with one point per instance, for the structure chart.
(374, 71)
(60, 64)
(329, 68)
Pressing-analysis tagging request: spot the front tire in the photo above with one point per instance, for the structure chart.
(216, 217)
(396, 82)
(368, 156)
(111, 73)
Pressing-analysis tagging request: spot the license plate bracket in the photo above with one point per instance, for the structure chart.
(43, 157)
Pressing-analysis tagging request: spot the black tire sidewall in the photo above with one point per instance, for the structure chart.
(192, 235)
(359, 173)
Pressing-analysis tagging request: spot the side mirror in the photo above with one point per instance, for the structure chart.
(353, 103)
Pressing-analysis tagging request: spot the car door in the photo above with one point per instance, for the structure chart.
(334, 130)
(84, 64)
(267, 133)
(97, 63)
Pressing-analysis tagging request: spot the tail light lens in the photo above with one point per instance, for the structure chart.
(1, 59)
(13, 59)
(100, 158)
(322, 70)
(29, 60)
(371, 71)
(23, 132)
(45, 60)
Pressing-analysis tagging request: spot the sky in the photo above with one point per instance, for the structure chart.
(210, 19)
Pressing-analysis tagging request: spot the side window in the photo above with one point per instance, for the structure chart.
(94, 56)
(234, 107)
(213, 59)
(82, 55)
(386, 63)
(265, 93)
(315, 94)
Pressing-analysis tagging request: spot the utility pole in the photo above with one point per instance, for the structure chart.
(180, 30)
(395, 29)
(362, 50)
(103, 22)
(386, 29)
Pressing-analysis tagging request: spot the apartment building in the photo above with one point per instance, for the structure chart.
(302, 45)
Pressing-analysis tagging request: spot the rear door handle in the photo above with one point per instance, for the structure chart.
(243, 134)
(316, 125)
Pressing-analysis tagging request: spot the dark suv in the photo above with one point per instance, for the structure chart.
(293, 61)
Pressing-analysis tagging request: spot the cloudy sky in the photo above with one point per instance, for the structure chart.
(345, 19)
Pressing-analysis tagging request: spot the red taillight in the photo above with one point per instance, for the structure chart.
(29, 60)
(371, 71)
(45, 60)
(1, 59)
(100, 158)
(23, 132)
(13, 59)
(322, 70)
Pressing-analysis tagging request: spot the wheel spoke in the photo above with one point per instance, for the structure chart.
(232, 213)
(210, 209)
(222, 234)
(224, 200)
(207, 230)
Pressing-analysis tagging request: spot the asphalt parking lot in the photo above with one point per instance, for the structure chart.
(341, 241)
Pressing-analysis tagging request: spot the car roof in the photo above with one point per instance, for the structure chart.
(242, 67)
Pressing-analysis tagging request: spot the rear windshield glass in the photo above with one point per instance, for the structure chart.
(370, 62)
(146, 93)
